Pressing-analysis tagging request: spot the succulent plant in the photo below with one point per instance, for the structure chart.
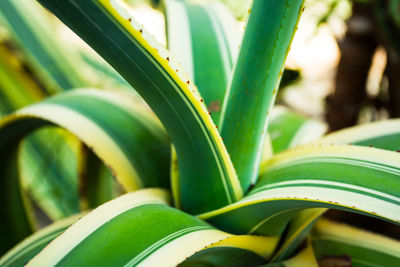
(214, 177)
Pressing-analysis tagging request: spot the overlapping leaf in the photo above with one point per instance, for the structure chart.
(138, 156)
(356, 179)
(203, 161)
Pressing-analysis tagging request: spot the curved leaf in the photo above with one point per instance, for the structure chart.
(298, 229)
(203, 161)
(146, 232)
(305, 257)
(356, 179)
(362, 248)
(263, 246)
(381, 134)
(223, 257)
(51, 181)
(31, 246)
(135, 229)
(96, 118)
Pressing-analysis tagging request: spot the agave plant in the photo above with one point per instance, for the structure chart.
(226, 193)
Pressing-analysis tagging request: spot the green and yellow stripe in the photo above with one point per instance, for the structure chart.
(204, 38)
(146, 231)
(356, 179)
(363, 248)
(135, 155)
(204, 163)
(31, 246)
(380, 134)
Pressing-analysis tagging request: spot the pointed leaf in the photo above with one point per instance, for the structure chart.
(203, 161)
(356, 179)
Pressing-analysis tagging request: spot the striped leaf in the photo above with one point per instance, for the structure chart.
(288, 129)
(19, 88)
(96, 118)
(305, 257)
(49, 179)
(31, 246)
(350, 178)
(255, 81)
(263, 246)
(333, 240)
(137, 156)
(135, 229)
(32, 29)
(204, 38)
(241, 250)
(203, 161)
(146, 232)
(48, 171)
(298, 230)
(381, 134)
(231, 256)
(224, 257)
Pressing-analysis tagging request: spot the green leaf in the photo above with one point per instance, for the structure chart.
(298, 230)
(137, 228)
(288, 129)
(394, 11)
(51, 181)
(204, 38)
(31, 246)
(105, 113)
(203, 161)
(357, 179)
(223, 256)
(17, 87)
(263, 246)
(31, 28)
(97, 185)
(255, 82)
(363, 248)
(137, 156)
(305, 257)
(48, 170)
(106, 76)
(380, 134)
